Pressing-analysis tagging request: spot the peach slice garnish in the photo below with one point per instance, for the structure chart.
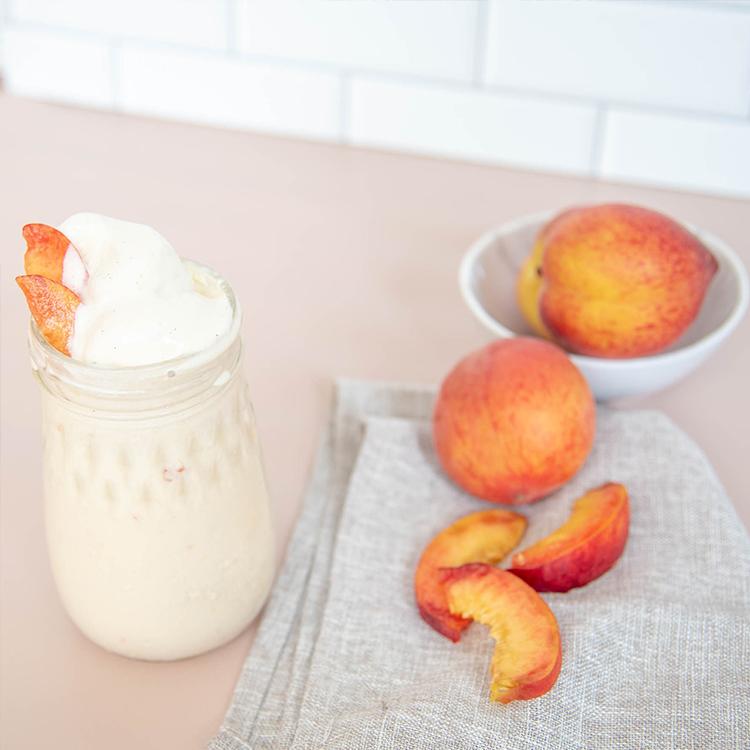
(47, 252)
(528, 654)
(487, 536)
(587, 545)
(53, 307)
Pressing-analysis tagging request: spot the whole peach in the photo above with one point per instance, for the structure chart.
(514, 421)
(614, 280)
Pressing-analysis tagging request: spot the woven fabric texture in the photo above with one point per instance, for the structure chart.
(656, 653)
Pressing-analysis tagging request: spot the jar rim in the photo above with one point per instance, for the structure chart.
(186, 374)
(183, 362)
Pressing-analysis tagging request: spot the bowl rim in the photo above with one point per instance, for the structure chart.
(706, 342)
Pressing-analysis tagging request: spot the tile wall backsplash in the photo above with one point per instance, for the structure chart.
(654, 91)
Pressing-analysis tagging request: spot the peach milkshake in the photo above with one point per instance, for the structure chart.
(157, 514)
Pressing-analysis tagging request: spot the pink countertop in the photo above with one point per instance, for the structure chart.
(345, 262)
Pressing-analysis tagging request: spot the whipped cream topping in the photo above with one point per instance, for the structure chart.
(140, 302)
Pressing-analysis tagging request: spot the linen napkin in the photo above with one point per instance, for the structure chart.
(656, 653)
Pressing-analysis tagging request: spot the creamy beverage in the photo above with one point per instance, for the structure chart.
(157, 514)
(140, 303)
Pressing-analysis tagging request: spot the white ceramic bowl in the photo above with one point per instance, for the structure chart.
(488, 277)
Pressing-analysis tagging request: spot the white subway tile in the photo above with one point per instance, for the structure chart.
(420, 37)
(471, 125)
(703, 154)
(200, 23)
(201, 87)
(674, 55)
(56, 67)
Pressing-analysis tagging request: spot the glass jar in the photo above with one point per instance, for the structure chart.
(157, 515)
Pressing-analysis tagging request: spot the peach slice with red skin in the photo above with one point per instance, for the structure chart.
(487, 536)
(528, 654)
(53, 307)
(46, 248)
(587, 545)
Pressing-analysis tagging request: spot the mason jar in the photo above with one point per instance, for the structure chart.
(157, 515)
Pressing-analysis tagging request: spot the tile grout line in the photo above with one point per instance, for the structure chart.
(481, 33)
(232, 42)
(345, 100)
(114, 73)
(597, 144)
(3, 24)
(716, 5)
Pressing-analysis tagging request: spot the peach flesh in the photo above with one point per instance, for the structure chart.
(53, 308)
(46, 248)
(582, 549)
(487, 536)
(527, 657)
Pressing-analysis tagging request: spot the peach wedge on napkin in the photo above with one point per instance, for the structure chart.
(528, 655)
(587, 545)
(487, 536)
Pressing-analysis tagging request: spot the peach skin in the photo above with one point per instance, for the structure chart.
(587, 545)
(614, 280)
(513, 421)
(487, 536)
(47, 251)
(528, 655)
(53, 307)
(530, 280)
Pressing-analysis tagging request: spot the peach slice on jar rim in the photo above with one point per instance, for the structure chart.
(528, 655)
(51, 254)
(487, 536)
(587, 545)
(53, 307)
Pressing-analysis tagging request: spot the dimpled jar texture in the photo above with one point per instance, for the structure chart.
(158, 527)
(157, 515)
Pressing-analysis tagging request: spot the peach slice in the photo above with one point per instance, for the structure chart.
(587, 545)
(487, 536)
(47, 252)
(53, 307)
(528, 655)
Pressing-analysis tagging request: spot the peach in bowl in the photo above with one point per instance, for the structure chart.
(705, 305)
